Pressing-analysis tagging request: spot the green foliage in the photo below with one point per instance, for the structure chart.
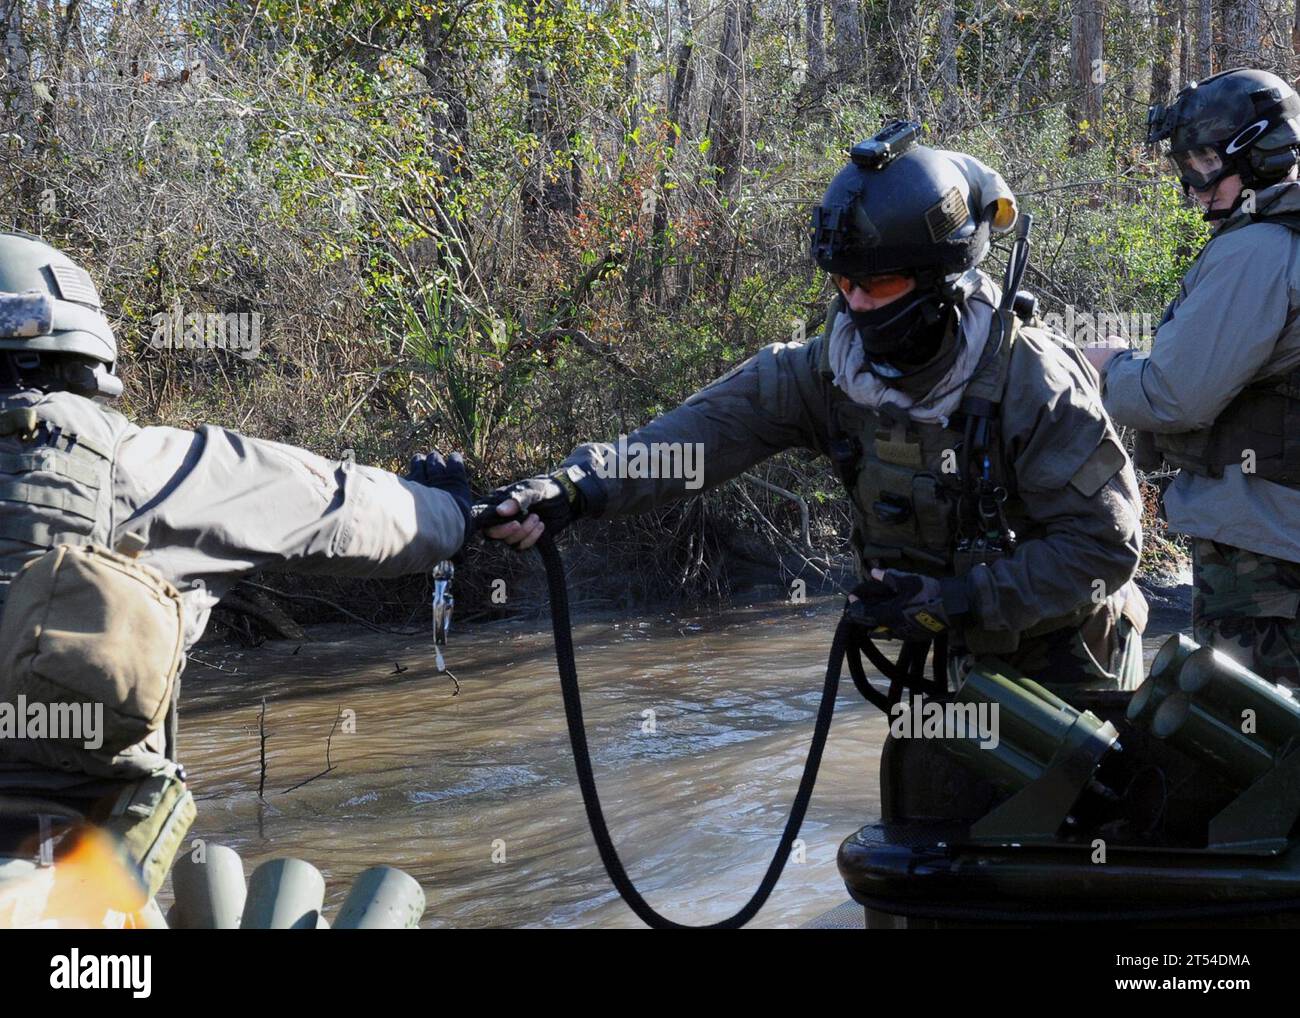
(475, 370)
(474, 223)
(1145, 247)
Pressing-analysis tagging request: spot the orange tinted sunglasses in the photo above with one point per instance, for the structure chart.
(875, 287)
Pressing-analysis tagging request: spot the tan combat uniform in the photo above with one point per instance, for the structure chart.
(1229, 347)
(209, 506)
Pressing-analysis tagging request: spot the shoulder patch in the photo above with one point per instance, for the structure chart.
(1106, 461)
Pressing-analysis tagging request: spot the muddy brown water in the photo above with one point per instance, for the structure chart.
(698, 728)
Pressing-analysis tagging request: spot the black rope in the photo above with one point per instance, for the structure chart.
(849, 643)
(859, 675)
(908, 672)
(562, 629)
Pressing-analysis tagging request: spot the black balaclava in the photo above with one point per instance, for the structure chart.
(910, 343)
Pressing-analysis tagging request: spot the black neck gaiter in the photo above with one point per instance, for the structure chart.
(928, 359)
(909, 344)
(889, 332)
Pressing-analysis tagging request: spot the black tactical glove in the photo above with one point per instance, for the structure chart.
(447, 474)
(557, 499)
(909, 606)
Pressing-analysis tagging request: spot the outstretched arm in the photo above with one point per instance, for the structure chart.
(773, 401)
(213, 503)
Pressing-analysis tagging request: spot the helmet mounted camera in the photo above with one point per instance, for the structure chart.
(878, 151)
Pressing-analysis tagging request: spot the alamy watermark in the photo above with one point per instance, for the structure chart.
(1084, 328)
(36, 719)
(933, 719)
(654, 460)
(77, 971)
(237, 331)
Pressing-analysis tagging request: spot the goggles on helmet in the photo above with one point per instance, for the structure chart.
(1202, 167)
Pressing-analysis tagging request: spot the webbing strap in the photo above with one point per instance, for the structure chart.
(61, 499)
(42, 534)
(56, 462)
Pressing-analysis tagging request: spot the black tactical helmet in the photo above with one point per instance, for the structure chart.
(52, 324)
(1240, 121)
(904, 210)
(912, 212)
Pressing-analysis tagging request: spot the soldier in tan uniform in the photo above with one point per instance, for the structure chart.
(1218, 396)
(994, 506)
(150, 527)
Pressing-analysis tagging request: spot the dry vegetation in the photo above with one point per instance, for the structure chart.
(506, 226)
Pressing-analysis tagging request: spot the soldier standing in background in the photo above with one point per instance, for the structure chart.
(1218, 396)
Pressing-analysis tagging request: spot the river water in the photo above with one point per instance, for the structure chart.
(698, 729)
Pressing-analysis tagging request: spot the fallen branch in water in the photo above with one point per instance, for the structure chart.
(209, 664)
(805, 530)
(261, 730)
(810, 563)
(329, 766)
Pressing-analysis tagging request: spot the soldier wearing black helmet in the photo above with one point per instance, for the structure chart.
(1218, 396)
(116, 541)
(993, 504)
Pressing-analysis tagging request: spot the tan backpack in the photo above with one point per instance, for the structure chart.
(88, 629)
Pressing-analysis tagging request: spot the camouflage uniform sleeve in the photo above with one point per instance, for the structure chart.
(773, 401)
(213, 503)
(1215, 339)
(1076, 483)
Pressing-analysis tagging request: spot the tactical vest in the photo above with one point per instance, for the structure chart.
(934, 499)
(1259, 430)
(56, 464)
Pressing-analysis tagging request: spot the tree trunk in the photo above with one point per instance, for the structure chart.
(904, 41)
(19, 100)
(1241, 40)
(819, 67)
(444, 70)
(948, 64)
(679, 101)
(549, 190)
(1185, 45)
(727, 120)
(849, 46)
(683, 90)
(447, 119)
(1087, 75)
(631, 81)
(1165, 50)
(1204, 39)
(1141, 14)
(728, 126)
